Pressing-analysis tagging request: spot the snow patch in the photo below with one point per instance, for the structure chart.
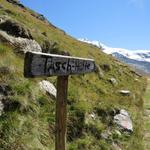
(140, 55)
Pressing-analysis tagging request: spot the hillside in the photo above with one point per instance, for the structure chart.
(27, 114)
(146, 117)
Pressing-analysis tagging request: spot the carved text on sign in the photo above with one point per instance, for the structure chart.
(41, 64)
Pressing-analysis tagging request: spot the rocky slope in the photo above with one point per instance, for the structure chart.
(104, 108)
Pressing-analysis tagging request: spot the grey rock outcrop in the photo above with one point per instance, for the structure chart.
(17, 35)
(124, 121)
(14, 28)
(48, 87)
(20, 44)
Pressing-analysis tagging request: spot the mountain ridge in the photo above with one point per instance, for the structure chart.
(139, 59)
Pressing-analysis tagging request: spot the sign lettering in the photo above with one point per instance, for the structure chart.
(41, 64)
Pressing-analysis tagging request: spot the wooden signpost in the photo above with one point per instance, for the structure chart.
(41, 64)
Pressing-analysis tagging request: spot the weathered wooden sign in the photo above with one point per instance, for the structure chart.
(42, 64)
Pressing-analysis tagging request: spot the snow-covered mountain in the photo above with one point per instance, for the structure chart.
(140, 59)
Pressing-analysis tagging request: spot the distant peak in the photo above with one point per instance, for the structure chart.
(140, 55)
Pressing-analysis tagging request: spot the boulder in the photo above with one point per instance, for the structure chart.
(20, 44)
(15, 29)
(48, 87)
(124, 121)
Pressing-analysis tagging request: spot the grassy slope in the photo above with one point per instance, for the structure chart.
(146, 117)
(31, 125)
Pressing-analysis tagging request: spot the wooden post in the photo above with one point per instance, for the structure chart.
(61, 112)
(45, 65)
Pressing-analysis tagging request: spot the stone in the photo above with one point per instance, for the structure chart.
(125, 92)
(124, 121)
(15, 29)
(48, 87)
(92, 116)
(113, 81)
(20, 44)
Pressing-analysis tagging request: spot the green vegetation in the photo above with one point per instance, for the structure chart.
(147, 117)
(29, 123)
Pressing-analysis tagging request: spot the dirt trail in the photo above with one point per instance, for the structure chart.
(147, 118)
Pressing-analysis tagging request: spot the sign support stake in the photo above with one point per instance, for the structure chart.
(38, 64)
(61, 112)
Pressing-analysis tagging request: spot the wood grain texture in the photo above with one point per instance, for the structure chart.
(61, 112)
(41, 64)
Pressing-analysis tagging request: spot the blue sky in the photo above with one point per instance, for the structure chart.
(116, 23)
